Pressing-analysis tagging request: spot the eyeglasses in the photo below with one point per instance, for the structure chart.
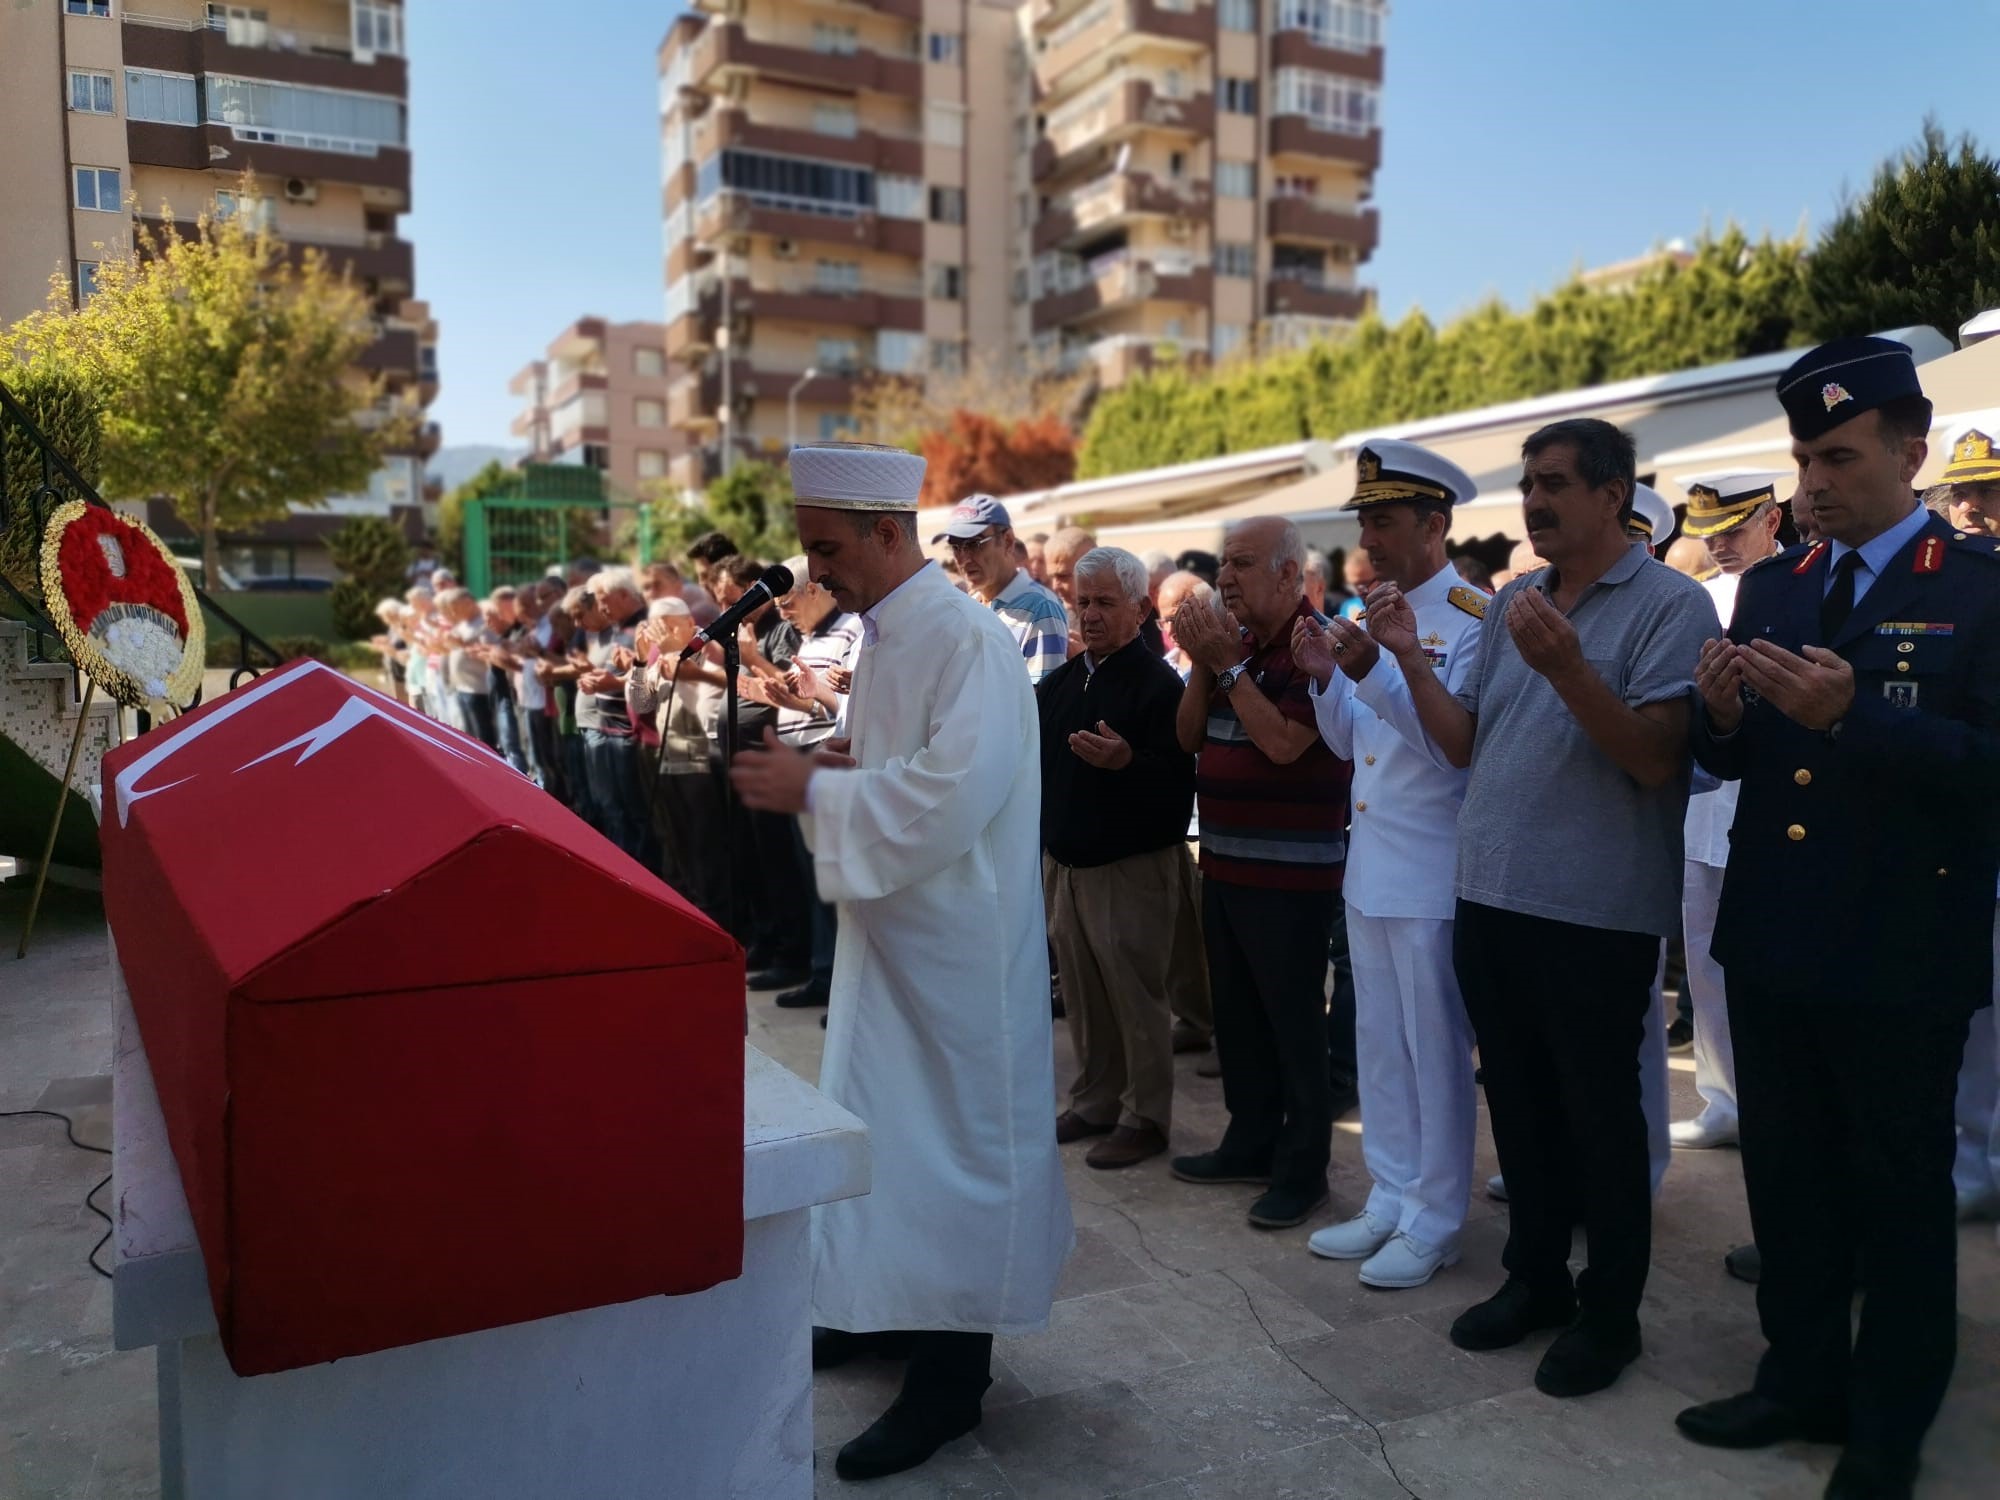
(971, 543)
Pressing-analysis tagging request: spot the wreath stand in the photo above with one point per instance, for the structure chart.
(55, 821)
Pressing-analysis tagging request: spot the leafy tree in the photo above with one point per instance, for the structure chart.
(976, 454)
(375, 556)
(225, 372)
(67, 415)
(752, 504)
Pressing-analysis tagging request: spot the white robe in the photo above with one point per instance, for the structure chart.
(938, 1035)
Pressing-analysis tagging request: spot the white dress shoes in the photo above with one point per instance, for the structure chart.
(1406, 1261)
(1357, 1239)
(1700, 1134)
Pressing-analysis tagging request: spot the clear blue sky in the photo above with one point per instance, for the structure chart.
(1522, 138)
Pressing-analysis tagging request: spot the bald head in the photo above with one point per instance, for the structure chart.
(1061, 553)
(1689, 555)
(1176, 587)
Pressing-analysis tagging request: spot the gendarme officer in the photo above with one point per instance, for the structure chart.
(1859, 685)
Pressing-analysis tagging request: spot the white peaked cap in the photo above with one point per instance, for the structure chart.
(1650, 509)
(856, 476)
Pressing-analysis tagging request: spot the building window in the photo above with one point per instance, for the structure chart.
(945, 47)
(283, 114)
(97, 188)
(841, 277)
(944, 124)
(161, 98)
(596, 456)
(899, 352)
(86, 281)
(1234, 258)
(652, 464)
(1239, 96)
(259, 213)
(1227, 340)
(899, 197)
(1289, 185)
(1331, 103)
(1235, 179)
(378, 28)
(947, 205)
(650, 363)
(947, 356)
(240, 25)
(1173, 84)
(839, 41)
(647, 412)
(90, 93)
(1237, 15)
(835, 119)
(1177, 165)
(1352, 25)
(948, 282)
(837, 357)
(98, 8)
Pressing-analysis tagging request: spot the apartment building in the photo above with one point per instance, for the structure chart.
(893, 188)
(112, 110)
(598, 398)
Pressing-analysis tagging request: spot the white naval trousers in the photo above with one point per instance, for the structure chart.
(1714, 1058)
(1653, 1097)
(1413, 1044)
(1975, 1172)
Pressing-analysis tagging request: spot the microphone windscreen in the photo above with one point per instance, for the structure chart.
(778, 579)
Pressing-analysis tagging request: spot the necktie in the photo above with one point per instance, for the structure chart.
(1839, 601)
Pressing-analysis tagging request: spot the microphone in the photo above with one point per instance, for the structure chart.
(775, 584)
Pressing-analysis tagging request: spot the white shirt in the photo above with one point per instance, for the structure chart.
(938, 1035)
(1712, 802)
(1402, 847)
(534, 697)
(1876, 553)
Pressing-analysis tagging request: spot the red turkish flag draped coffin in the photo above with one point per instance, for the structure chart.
(434, 1055)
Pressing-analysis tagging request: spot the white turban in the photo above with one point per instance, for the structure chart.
(856, 476)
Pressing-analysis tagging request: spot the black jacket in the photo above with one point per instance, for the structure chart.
(1862, 864)
(1092, 816)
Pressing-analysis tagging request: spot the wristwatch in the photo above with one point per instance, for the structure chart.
(1227, 678)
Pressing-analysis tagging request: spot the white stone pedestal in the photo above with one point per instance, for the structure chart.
(704, 1397)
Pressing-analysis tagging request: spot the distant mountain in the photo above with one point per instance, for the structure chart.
(453, 466)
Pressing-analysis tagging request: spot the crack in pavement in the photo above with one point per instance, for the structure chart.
(1381, 1443)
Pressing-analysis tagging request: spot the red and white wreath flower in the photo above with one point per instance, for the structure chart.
(124, 606)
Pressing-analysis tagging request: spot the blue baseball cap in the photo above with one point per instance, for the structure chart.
(971, 516)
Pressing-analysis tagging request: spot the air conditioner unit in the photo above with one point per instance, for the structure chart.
(786, 249)
(299, 190)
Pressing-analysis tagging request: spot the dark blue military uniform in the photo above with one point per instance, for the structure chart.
(1855, 935)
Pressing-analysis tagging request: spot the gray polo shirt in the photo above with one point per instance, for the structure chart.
(1551, 826)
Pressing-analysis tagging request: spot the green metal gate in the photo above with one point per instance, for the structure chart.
(554, 513)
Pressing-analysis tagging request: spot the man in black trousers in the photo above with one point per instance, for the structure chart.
(1858, 688)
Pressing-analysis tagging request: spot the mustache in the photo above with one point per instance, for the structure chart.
(1542, 519)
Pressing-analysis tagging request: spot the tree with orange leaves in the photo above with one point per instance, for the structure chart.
(977, 454)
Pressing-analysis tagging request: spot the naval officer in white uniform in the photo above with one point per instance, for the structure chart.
(1737, 516)
(1413, 1039)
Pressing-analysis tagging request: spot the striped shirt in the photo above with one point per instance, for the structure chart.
(1036, 618)
(1263, 824)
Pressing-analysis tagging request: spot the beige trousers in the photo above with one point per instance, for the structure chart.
(1105, 927)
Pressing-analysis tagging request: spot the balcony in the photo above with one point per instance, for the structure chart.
(1324, 222)
(726, 46)
(1301, 49)
(731, 212)
(1301, 135)
(685, 405)
(1193, 23)
(733, 127)
(1115, 199)
(204, 148)
(1305, 293)
(692, 334)
(281, 54)
(886, 303)
(1116, 281)
(394, 352)
(1125, 106)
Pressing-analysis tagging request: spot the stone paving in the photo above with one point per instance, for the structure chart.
(1190, 1357)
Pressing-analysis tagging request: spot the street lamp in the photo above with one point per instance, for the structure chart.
(792, 406)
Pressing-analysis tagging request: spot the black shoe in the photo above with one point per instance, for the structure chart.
(1754, 1421)
(1510, 1315)
(833, 1347)
(777, 977)
(1586, 1357)
(1680, 1036)
(822, 1023)
(1861, 1475)
(1281, 1208)
(905, 1435)
(812, 993)
(1745, 1263)
(1213, 1167)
